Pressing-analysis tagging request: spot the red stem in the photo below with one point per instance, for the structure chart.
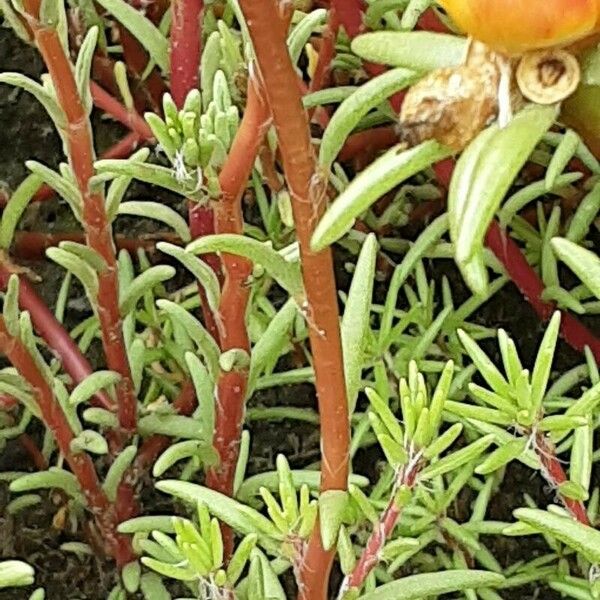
(32, 245)
(321, 308)
(186, 37)
(53, 333)
(231, 387)
(98, 231)
(110, 105)
(371, 555)
(80, 463)
(556, 476)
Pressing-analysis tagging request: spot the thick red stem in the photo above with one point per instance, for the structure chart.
(231, 387)
(186, 37)
(98, 231)
(309, 200)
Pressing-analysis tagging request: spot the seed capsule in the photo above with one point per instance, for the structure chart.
(548, 76)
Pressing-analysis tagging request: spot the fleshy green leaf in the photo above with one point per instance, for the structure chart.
(584, 263)
(416, 587)
(384, 174)
(356, 319)
(356, 106)
(147, 34)
(483, 175)
(419, 50)
(577, 536)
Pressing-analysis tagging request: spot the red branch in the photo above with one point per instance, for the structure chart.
(308, 203)
(32, 245)
(110, 105)
(80, 151)
(371, 554)
(80, 463)
(53, 333)
(186, 37)
(231, 387)
(556, 476)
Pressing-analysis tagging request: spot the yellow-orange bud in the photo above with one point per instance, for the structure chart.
(517, 26)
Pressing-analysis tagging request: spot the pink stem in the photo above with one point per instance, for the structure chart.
(54, 334)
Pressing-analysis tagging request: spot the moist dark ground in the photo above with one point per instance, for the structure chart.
(27, 133)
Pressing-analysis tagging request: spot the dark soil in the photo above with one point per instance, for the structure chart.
(25, 133)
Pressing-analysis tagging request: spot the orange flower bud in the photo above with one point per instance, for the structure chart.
(517, 26)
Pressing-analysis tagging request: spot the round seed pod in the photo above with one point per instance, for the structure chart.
(548, 76)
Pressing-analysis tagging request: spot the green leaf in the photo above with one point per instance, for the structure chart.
(502, 456)
(199, 269)
(584, 263)
(240, 517)
(356, 106)
(162, 523)
(52, 478)
(381, 176)
(153, 588)
(205, 393)
(240, 557)
(15, 573)
(83, 67)
(131, 574)
(418, 50)
(147, 172)
(147, 34)
(356, 319)
(158, 212)
(63, 186)
(417, 587)
(302, 32)
(205, 342)
(457, 459)
(562, 156)
(10, 309)
(582, 456)
(92, 384)
(41, 94)
(579, 537)
(332, 508)
(143, 283)
(89, 441)
(181, 451)
(543, 362)
(15, 208)
(272, 342)
(79, 268)
(117, 469)
(263, 582)
(118, 187)
(584, 216)
(484, 174)
(287, 274)
(485, 366)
